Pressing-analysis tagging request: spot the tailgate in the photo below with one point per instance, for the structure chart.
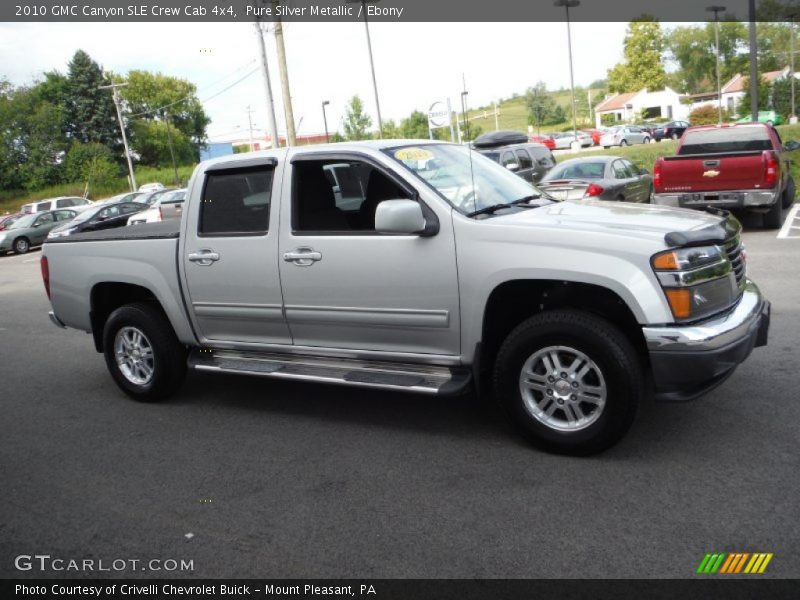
(713, 173)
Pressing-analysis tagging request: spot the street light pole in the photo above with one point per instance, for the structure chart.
(567, 4)
(371, 63)
(716, 10)
(115, 95)
(325, 120)
(792, 17)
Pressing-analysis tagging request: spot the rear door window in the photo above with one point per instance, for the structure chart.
(43, 206)
(236, 201)
(524, 159)
(508, 159)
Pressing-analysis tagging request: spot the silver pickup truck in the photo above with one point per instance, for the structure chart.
(417, 266)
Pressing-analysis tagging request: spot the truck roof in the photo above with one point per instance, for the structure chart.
(280, 153)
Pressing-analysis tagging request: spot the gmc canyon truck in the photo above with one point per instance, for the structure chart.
(742, 166)
(417, 266)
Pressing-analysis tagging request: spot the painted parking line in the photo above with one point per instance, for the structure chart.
(791, 226)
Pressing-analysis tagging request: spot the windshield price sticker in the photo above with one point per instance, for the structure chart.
(413, 154)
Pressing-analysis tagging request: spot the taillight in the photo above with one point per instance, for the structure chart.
(657, 174)
(593, 190)
(45, 275)
(771, 170)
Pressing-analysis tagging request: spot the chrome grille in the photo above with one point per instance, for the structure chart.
(735, 253)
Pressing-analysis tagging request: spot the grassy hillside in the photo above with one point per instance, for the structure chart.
(514, 113)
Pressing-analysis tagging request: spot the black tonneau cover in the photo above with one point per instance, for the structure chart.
(146, 231)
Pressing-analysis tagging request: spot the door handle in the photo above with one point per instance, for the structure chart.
(204, 257)
(302, 257)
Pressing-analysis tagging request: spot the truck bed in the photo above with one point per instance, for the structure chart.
(146, 231)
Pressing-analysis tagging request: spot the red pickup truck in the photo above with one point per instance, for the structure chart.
(741, 166)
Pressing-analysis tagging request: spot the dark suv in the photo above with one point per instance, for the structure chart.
(670, 131)
(529, 161)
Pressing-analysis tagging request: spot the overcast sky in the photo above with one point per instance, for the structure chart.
(416, 63)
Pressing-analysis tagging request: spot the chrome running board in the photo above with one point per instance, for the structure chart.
(409, 377)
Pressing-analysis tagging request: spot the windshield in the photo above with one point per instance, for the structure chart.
(468, 185)
(87, 214)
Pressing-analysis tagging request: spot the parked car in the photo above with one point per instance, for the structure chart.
(126, 197)
(670, 131)
(168, 206)
(7, 220)
(105, 216)
(563, 140)
(453, 273)
(151, 187)
(545, 140)
(32, 229)
(624, 135)
(741, 166)
(75, 202)
(150, 198)
(599, 177)
(529, 161)
(770, 117)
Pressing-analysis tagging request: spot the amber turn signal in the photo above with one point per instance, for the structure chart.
(680, 301)
(667, 261)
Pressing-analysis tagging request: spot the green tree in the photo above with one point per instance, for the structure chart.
(540, 105)
(643, 65)
(356, 122)
(764, 96)
(390, 130)
(152, 143)
(89, 111)
(154, 97)
(415, 126)
(693, 50)
(90, 163)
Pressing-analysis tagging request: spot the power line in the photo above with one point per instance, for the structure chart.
(154, 110)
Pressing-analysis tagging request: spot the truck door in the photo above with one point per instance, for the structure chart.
(229, 254)
(348, 287)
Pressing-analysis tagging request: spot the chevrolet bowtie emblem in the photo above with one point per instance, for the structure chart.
(711, 173)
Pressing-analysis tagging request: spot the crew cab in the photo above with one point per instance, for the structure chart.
(740, 166)
(447, 273)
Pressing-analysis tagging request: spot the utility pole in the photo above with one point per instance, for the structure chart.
(115, 95)
(464, 106)
(283, 70)
(250, 123)
(751, 15)
(371, 63)
(496, 118)
(171, 149)
(716, 10)
(793, 113)
(273, 126)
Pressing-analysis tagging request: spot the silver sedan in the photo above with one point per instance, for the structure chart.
(624, 135)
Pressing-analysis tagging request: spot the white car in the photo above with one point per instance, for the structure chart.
(73, 202)
(168, 206)
(624, 135)
(151, 187)
(564, 140)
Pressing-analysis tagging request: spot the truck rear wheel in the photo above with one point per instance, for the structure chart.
(569, 381)
(788, 193)
(142, 352)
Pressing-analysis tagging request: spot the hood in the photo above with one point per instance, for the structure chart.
(643, 221)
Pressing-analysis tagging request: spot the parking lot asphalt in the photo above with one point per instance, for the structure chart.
(259, 478)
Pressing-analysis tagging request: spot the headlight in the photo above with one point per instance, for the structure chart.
(697, 282)
(58, 234)
(683, 259)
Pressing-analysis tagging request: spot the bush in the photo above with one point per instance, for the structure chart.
(90, 163)
(707, 114)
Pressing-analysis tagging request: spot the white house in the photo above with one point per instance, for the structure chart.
(734, 90)
(632, 106)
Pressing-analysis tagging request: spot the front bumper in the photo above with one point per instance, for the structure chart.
(689, 360)
(728, 199)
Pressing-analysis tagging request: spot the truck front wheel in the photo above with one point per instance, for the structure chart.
(142, 352)
(569, 381)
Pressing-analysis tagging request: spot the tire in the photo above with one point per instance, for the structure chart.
(788, 193)
(674, 136)
(613, 366)
(770, 123)
(773, 219)
(21, 245)
(650, 195)
(646, 140)
(606, 147)
(623, 143)
(167, 362)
